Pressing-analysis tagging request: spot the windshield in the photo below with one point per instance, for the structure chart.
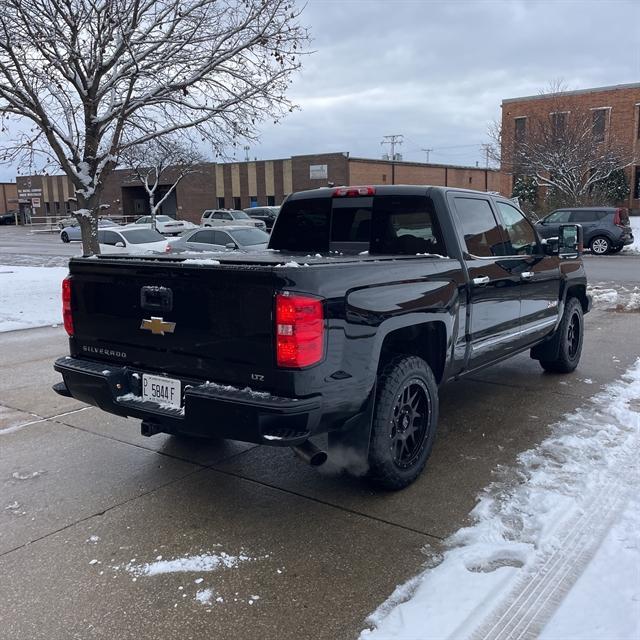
(248, 237)
(141, 236)
(239, 215)
(164, 218)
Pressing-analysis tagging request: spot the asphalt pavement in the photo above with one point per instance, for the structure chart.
(95, 519)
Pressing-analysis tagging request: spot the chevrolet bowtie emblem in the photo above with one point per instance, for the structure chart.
(158, 326)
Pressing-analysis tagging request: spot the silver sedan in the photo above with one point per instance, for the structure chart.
(230, 238)
(73, 232)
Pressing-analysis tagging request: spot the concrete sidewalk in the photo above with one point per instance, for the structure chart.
(322, 551)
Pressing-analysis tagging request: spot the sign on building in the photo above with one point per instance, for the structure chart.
(318, 172)
(35, 203)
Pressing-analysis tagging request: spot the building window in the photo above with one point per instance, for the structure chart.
(253, 201)
(598, 124)
(559, 123)
(47, 208)
(636, 186)
(237, 203)
(221, 202)
(57, 206)
(271, 201)
(520, 131)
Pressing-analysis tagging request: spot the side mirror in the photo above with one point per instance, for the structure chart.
(570, 241)
(231, 245)
(550, 246)
(120, 245)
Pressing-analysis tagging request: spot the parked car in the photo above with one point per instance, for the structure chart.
(218, 217)
(71, 233)
(368, 299)
(127, 240)
(268, 215)
(165, 224)
(606, 229)
(8, 218)
(229, 238)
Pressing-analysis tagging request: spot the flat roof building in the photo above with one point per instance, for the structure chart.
(238, 185)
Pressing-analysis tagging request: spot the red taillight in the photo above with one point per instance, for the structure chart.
(299, 330)
(619, 217)
(351, 192)
(67, 316)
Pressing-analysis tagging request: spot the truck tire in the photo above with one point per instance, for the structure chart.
(570, 335)
(404, 422)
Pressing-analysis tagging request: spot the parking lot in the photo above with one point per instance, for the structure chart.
(107, 534)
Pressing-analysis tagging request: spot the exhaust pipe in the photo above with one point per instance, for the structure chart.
(308, 452)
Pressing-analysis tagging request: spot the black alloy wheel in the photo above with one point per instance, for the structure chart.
(64, 236)
(404, 422)
(569, 336)
(410, 421)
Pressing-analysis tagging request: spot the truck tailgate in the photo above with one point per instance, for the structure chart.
(223, 316)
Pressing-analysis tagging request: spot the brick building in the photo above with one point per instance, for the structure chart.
(615, 111)
(8, 197)
(240, 185)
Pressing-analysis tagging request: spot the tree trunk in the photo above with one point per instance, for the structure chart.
(87, 217)
(152, 205)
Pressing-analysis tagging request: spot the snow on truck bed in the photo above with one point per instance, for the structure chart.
(555, 549)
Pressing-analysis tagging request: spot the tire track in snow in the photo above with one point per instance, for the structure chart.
(530, 604)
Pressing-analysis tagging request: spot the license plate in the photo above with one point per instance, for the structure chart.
(161, 390)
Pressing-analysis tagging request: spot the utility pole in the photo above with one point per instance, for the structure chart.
(427, 151)
(246, 153)
(487, 149)
(392, 141)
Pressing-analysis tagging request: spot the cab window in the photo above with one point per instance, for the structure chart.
(479, 226)
(522, 237)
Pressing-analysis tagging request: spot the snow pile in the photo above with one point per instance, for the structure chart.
(568, 505)
(207, 262)
(635, 227)
(199, 563)
(30, 296)
(620, 299)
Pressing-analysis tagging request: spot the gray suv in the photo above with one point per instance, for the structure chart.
(606, 229)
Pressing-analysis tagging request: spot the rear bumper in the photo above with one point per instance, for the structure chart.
(208, 410)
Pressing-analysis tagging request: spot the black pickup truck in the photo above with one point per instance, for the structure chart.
(367, 300)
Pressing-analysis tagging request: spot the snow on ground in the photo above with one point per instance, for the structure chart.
(635, 226)
(620, 298)
(30, 296)
(554, 550)
(199, 563)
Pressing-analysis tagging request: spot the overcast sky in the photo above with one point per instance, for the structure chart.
(437, 71)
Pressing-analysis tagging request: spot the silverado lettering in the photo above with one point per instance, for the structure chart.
(368, 299)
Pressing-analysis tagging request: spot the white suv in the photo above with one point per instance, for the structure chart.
(217, 217)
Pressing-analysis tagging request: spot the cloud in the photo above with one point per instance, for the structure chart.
(437, 71)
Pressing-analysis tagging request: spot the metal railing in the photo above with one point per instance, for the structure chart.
(52, 223)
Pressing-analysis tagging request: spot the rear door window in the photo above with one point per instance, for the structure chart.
(202, 236)
(221, 238)
(110, 238)
(586, 216)
(480, 229)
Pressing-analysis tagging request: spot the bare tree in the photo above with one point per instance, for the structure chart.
(95, 78)
(160, 163)
(568, 150)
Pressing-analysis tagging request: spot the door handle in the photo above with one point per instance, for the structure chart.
(478, 282)
(527, 275)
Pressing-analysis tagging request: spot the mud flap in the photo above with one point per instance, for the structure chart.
(351, 443)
